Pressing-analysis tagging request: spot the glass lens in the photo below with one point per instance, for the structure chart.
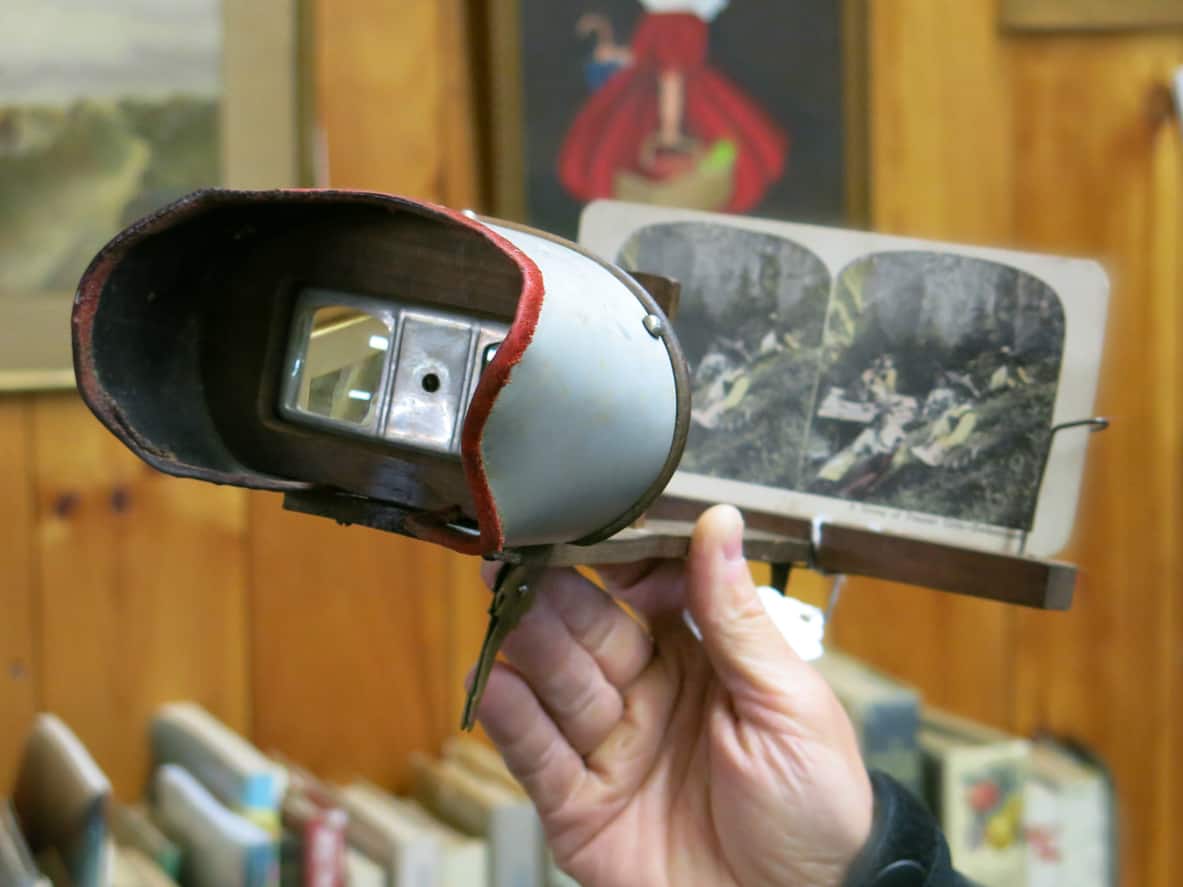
(343, 365)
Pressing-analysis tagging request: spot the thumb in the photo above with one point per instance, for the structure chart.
(748, 652)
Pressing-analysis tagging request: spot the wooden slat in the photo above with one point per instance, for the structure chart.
(1027, 582)
(857, 551)
(1099, 175)
(379, 90)
(459, 180)
(350, 644)
(18, 664)
(361, 640)
(941, 164)
(142, 580)
(940, 167)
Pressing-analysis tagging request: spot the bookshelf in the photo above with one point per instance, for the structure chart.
(346, 648)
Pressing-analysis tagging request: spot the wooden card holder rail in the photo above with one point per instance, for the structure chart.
(775, 539)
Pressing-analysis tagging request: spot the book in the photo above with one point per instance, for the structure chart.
(290, 851)
(61, 801)
(134, 868)
(237, 773)
(975, 780)
(481, 760)
(17, 867)
(884, 382)
(486, 763)
(220, 847)
(885, 714)
(410, 854)
(318, 829)
(361, 871)
(505, 818)
(132, 827)
(1070, 819)
(54, 869)
(464, 859)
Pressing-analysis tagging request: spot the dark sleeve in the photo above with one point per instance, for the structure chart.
(906, 847)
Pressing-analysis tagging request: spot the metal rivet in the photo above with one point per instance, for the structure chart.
(654, 325)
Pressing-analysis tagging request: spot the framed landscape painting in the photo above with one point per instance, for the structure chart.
(732, 106)
(109, 111)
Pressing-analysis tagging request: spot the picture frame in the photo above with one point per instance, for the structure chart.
(1090, 15)
(264, 113)
(508, 165)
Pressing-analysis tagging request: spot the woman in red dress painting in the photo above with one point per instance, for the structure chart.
(667, 115)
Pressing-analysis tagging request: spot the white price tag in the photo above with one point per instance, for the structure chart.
(800, 624)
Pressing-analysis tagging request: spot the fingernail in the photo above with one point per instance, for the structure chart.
(733, 535)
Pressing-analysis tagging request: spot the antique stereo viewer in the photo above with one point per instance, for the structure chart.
(464, 381)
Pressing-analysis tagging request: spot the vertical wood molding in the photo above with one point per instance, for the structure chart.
(19, 666)
(1166, 225)
(142, 581)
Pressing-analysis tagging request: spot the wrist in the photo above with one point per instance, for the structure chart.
(905, 847)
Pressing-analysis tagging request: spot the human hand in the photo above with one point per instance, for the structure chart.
(654, 759)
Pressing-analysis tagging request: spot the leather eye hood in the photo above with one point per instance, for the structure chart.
(578, 421)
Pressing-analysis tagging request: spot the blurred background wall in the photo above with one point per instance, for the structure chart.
(347, 649)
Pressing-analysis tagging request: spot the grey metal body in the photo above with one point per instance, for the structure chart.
(611, 405)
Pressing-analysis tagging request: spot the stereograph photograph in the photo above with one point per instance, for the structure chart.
(751, 319)
(937, 380)
(919, 381)
(107, 111)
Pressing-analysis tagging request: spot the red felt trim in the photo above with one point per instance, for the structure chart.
(494, 378)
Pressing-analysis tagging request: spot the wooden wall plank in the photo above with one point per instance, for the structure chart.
(1099, 174)
(940, 108)
(142, 581)
(18, 660)
(360, 638)
(379, 91)
(941, 167)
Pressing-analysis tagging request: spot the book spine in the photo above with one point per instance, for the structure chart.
(324, 852)
(516, 856)
(979, 797)
(888, 737)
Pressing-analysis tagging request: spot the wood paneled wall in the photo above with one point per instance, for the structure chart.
(1056, 143)
(347, 648)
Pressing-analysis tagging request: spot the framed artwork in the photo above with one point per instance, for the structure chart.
(107, 112)
(717, 105)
